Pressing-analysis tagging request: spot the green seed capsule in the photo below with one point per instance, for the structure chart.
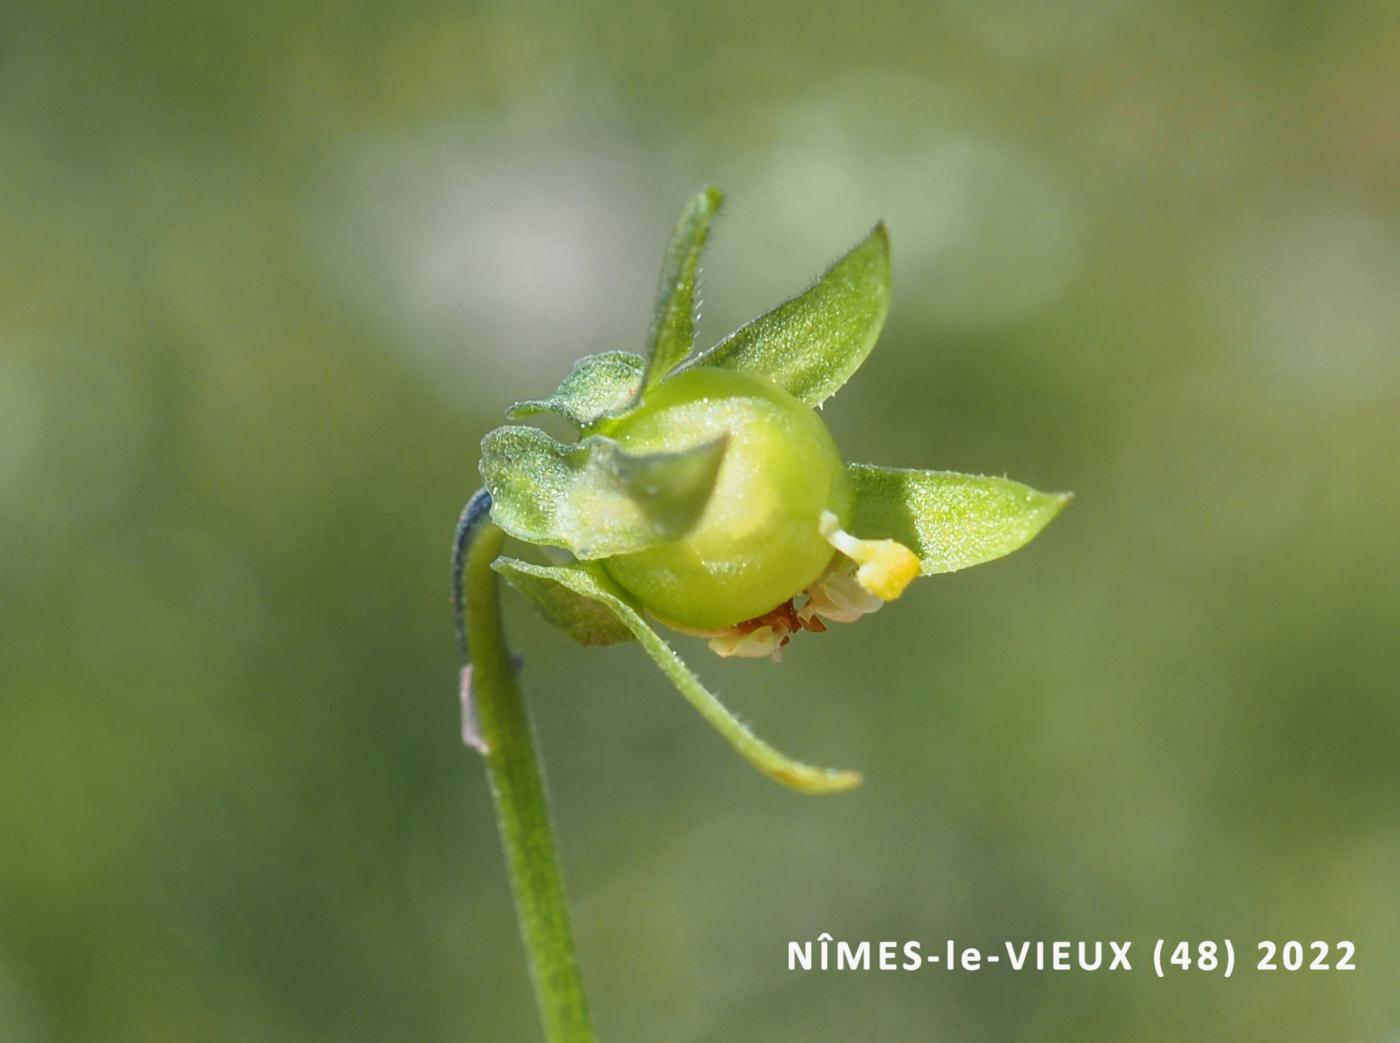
(759, 541)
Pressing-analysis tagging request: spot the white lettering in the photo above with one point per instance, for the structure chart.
(913, 959)
(799, 953)
(857, 959)
(1084, 957)
(1120, 956)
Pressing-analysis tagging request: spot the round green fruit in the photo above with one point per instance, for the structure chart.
(758, 542)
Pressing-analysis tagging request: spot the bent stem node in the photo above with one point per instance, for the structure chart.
(517, 782)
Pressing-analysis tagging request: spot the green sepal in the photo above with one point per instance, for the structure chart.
(588, 580)
(586, 620)
(591, 497)
(672, 332)
(813, 343)
(951, 521)
(599, 387)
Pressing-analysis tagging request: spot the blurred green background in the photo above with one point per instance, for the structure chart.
(271, 270)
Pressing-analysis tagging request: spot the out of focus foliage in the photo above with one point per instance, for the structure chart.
(270, 271)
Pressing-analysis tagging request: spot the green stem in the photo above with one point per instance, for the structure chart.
(522, 804)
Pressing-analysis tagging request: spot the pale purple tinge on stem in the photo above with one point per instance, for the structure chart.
(471, 727)
(471, 730)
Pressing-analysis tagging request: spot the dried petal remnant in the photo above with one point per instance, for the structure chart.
(760, 637)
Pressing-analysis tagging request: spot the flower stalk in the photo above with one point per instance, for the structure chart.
(517, 784)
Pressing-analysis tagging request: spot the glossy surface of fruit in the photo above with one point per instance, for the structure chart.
(758, 542)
